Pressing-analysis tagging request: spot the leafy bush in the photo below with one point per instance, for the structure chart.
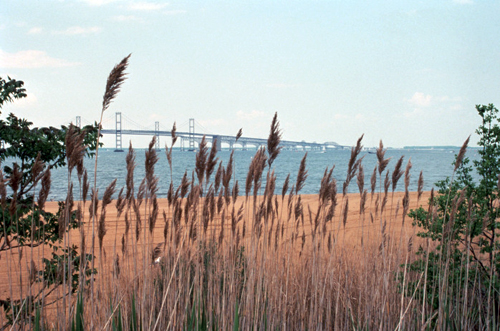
(462, 261)
(28, 154)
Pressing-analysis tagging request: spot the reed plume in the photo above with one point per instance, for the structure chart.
(211, 161)
(382, 163)
(353, 164)
(420, 185)
(130, 161)
(44, 191)
(239, 134)
(14, 182)
(37, 169)
(258, 165)
(227, 174)
(120, 203)
(285, 187)
(150, 161)
(114, 83)
(346, 211)
(201, 160)
(373, 181)
(85, 186)
(218, 177)
(397, 173)
(273, 140)
(406, 198)
(361, 179)
(173, 134)
(75, 148)
(106, 200)
(301, 175)
(461, 154)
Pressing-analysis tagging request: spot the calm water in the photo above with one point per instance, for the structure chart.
(435, 165)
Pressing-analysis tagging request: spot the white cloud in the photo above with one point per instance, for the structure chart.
(420, 99)
(254, 114)
(78, 30)
(146, 6)
(31, 59)
(35, 30)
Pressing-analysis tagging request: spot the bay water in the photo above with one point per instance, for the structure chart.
(435, 164)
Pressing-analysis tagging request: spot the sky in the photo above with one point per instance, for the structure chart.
(406, 72)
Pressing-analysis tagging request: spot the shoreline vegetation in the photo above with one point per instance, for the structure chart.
(127, 271)
(226, 253)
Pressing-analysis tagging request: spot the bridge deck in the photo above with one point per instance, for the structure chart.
(244, 142)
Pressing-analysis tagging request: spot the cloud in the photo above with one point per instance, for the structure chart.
(78, 30)
(32, 59)
(420, 99)
(146, 6)
(35, 30)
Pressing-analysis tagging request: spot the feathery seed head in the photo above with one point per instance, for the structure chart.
(274, 140)
(115, 80)
(461, 154)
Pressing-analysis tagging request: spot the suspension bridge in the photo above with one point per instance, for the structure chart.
(190, 140)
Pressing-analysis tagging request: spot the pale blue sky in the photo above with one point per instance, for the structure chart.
(406, 72)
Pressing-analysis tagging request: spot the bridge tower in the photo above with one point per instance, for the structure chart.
(217, 140)
(157, 135)
(191, 134)
(118, 132)
(79, 122)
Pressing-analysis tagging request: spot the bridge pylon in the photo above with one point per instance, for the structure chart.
(118, 131)
(157, 135)
(191, 134)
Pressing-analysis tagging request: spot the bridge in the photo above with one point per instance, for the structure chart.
(189, 141)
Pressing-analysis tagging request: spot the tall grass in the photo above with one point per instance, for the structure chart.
(208, 257)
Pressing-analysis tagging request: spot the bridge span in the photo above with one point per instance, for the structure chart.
(192, 139)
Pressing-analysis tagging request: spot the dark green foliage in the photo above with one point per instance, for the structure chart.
(11, 89)
(236, 323)
(27, 154)
(77, 324)
(23, 143)
(463, 270)
(134, 325)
